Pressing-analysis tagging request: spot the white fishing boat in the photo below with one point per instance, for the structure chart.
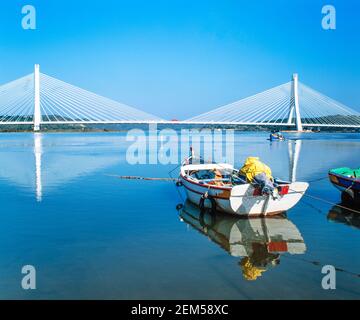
(228, 193)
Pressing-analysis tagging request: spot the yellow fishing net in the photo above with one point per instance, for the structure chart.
(254, 166)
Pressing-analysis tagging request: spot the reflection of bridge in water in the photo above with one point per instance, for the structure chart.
(38, 99)
(294, 148)
(42, 169)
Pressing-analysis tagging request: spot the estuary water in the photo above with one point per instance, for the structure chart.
(91, 235)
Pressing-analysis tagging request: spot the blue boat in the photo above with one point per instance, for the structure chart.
(346, 180)
(276, 136)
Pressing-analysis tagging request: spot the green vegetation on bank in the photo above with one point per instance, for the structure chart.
(145, 127)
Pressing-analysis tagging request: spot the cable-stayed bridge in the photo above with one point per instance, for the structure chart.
(290, 104)
(39, 99)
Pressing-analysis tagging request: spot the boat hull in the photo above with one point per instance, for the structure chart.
(349, 187)
(276, 139)
(343, 183)
(243, 199)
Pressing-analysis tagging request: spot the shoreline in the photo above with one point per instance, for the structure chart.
(177, 127)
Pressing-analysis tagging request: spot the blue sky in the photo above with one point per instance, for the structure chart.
(177, 59)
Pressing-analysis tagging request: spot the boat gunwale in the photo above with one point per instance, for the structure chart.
(356, 180)
(213, 196)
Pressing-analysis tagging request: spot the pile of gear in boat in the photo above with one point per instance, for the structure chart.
(252, 172)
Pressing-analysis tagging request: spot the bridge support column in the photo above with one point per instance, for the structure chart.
(294, 104)
(37, 112)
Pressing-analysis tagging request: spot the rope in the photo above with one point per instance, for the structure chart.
(326, 201)
(318, 179)
(175, 179)
(142, 178)
(329, 202)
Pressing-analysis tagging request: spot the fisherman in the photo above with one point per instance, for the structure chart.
(257, 172)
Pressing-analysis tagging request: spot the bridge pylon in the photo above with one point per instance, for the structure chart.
(37, 111)
(294, 103)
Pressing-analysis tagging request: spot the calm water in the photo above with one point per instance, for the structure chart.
(92, 235)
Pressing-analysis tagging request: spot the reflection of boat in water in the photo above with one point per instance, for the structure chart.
(344, 216)
(259, 241)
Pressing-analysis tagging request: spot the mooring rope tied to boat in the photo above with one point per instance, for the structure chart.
(318, 179)
(175, 183)
(142, 178)
(313, 207)
(329, 202)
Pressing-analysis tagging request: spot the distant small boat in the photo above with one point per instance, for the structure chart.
(230, 194)
(346, 180)
(276, 136)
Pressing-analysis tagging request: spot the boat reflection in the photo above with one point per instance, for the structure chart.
(259, 241)
(344, 216)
